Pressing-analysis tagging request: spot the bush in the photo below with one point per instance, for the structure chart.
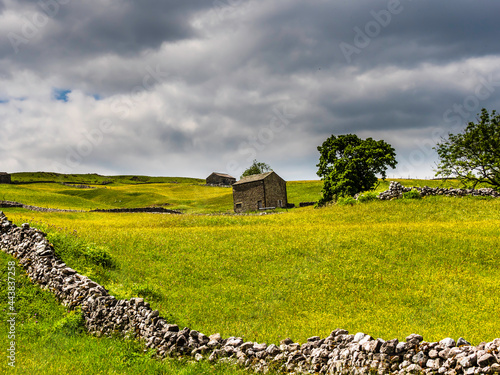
(98, 255)
(344, 201)
(412, 194)
(72, 324)
(73, 250)
(367, 197)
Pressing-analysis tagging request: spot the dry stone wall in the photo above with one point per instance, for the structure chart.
(396, 190)
(10, 204)
(139, 210)
(6, 204)
(339, 353)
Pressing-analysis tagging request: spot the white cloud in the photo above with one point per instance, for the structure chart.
(179, 89)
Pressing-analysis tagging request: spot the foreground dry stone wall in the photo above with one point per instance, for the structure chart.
(339, 353)
(396, 190)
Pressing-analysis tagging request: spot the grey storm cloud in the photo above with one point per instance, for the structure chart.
(196, 86)
(121, 27)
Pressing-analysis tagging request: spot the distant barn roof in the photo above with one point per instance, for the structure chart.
(253, 178)
(222, 175)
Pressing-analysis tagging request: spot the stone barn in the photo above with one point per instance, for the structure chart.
(259, 191)
(5, 178)
(220, 179)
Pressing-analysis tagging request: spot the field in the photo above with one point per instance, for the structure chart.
(387, 268)
(51, 340)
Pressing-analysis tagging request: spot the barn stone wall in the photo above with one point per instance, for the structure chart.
(217, 180)
(270, 190)
(5, 178)
(275, 191)
(246, 196)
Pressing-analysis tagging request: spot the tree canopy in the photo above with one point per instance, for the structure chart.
(256, 168)
(349, 165)
(473, 156)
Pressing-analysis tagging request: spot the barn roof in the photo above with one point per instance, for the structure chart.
(222, 175)
(253, 178)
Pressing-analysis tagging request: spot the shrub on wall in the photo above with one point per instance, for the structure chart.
(367, 197)
(412, 194)
(344, 201)
(72, 324)
(73, 248)
(98, 255)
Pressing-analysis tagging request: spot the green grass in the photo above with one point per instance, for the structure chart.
(387, 268)
(51, 340)
(303, 191)
(186, 196)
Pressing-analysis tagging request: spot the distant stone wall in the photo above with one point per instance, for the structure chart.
(339, 353)
(218, 185)
(10, 204)
(139, 210)
(396, 190)
(305, 204)
(79, 186)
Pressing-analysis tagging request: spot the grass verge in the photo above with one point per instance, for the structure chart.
(51, 340)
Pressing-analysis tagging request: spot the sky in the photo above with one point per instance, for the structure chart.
(187, 88)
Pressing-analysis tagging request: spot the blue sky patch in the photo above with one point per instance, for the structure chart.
(61, 94)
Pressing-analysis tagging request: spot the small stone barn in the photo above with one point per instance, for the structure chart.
(220, 179)
(5, 178)
(259, 191)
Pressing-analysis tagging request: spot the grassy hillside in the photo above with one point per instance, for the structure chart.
(51, 340)
(190, 196)
(95, 179)
(387, 268)
(186, 194)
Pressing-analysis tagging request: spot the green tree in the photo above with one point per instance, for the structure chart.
(473, 156)
(256, 168)
(349, 165)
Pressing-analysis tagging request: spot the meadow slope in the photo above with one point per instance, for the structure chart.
(52, 340)
(387, 268)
